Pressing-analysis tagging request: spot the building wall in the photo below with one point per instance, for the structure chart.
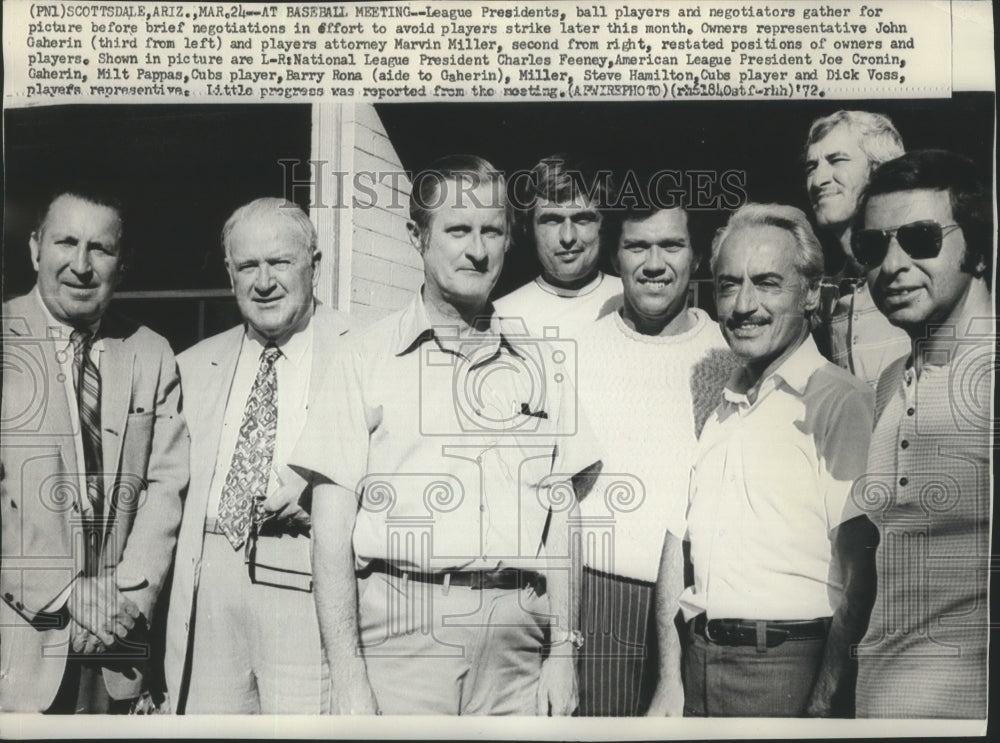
(385, 269)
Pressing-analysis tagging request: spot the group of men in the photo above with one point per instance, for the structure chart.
(469, 508)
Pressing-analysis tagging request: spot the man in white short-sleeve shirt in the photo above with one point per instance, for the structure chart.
(782, 579)
(442, 460)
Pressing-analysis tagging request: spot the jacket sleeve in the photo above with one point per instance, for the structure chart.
(149, 548)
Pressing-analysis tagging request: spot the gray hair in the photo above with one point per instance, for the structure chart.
(267, 206)
(877, 136)
(809, 253)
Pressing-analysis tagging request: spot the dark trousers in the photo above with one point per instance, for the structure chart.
(742, 681)
(618, 663)
(83, 691)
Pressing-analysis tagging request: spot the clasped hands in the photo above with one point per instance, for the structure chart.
(101, 616)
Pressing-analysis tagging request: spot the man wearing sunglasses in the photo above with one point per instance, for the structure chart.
(842, 150)
(924, 234)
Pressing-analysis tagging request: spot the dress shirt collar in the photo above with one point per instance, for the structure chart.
(559, 291)
(294, 348)
(795, 372)
(58, 329)
(415, 327)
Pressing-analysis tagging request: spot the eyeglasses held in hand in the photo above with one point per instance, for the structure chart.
(917, 239)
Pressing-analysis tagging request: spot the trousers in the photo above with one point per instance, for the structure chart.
(451, 650)
(618, 663)
(740, 681)
(256, 648)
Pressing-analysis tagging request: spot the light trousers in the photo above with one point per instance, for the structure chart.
(256, 648)
(436, 650)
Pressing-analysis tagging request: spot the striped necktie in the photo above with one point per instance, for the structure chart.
(88, 398)
(250, 468)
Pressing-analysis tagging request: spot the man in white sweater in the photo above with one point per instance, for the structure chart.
(650, 374)
(558, 217)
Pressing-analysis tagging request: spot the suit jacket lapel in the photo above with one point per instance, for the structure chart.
(27, 321)
(217, 384)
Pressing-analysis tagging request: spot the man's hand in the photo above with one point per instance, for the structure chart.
(557, 692)
(283, 503)
(100, 608)
(83, 642)
(668, 699)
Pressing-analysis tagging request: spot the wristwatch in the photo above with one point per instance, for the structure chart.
(574, 637)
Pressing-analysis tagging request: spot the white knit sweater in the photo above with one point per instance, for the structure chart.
(646, 398)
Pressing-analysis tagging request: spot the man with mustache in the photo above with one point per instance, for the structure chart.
(558, 216)
(924, 234)
(93, 467)
(783, 575)
(442, 463)
(842, 150)
(650, 374)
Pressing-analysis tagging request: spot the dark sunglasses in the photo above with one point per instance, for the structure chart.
(917, 239)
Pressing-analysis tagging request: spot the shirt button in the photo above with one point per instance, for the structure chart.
(903, 481)
(855, 339)
(910, 411)
(904, 443)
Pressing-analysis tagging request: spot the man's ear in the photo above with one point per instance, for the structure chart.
(812, 297)
(229, 272)
(696, 259)
(614, 262)
(414, 231)
(33, 244)
(316, 256)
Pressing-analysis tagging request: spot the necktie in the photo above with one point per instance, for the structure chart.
(250, 468)
(88, 399)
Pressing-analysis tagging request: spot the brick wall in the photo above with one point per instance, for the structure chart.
(385, 269)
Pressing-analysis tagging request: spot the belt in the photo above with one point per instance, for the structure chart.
(745, 631)
(267, 529)
(477, 580)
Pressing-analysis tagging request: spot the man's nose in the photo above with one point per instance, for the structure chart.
(896, 259)
(567, 233)
(475, 250)
(655, 262)
(263, 279)
(746, 299)
(81, 264)
(821, 174)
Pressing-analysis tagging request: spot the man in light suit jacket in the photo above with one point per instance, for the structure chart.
(242, 634)
(94, 466)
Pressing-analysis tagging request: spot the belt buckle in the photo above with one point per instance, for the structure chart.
(476, 580)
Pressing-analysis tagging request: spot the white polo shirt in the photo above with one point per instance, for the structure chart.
(771, 480)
